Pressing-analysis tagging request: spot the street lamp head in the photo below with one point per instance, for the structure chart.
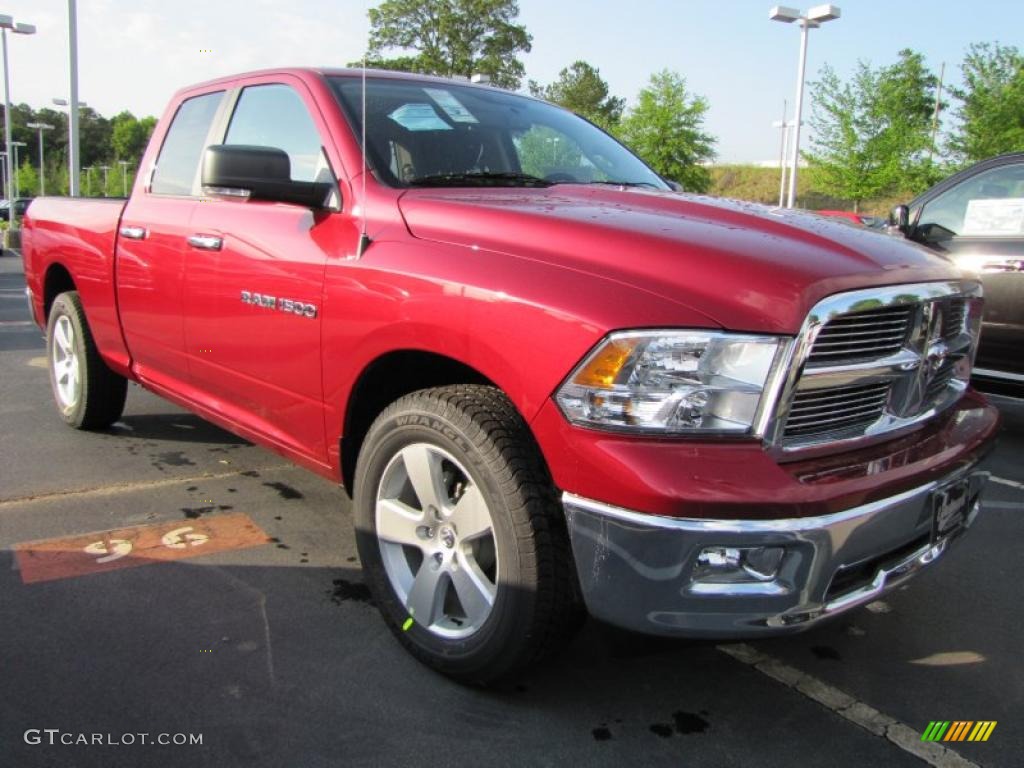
(823, 13)
(60, 102)
(784, 14)
(24, 29)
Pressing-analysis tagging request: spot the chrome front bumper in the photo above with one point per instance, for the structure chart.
(640, 571)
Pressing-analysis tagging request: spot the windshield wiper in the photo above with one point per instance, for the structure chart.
(624, 183)
(480, 179)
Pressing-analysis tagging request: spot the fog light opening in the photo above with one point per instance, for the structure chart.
(738, 565)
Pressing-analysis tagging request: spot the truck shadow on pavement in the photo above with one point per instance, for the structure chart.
(293, 666)
(173, 427)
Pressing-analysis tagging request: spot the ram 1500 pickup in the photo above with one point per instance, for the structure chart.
(549, 382)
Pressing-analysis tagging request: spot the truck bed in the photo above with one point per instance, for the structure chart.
(65, 236)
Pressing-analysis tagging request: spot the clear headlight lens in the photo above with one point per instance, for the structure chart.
(671, 381)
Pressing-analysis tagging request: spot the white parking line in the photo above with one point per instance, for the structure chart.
(1004, 481)
(1002, 505)
(847, 707)
(105, 490)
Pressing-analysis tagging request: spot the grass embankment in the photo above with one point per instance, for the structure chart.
(761, 185)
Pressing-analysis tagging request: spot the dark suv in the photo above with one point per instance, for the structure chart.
(20, 206)
(976, 217)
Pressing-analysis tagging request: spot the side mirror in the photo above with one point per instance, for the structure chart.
(675, 186)
(259, 173)
(899, 219)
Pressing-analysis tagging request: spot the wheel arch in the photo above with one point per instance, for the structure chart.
(57, 280)
(387, 378)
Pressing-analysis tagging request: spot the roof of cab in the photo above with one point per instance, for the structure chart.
(332, 72)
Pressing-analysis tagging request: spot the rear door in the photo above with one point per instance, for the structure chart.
(254, 283)
(151, 246)
(979, 223)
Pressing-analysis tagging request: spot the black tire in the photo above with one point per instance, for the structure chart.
(101, 392)
(478, 426)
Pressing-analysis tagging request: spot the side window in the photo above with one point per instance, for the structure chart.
(275, 116)
(178, 162)
(990, 204)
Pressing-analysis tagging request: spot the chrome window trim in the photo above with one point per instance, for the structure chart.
(895, 367)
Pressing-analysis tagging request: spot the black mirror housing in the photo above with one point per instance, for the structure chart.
(259, 173)
(899, 218)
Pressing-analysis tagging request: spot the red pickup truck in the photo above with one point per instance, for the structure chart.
(548, 381)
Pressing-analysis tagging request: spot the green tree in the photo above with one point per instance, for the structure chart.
(906, 103)
(871, 133)
(128, 136)
(28, 180)
(450, 37)
(94, 136)
(991, 109)
(666, 128)
(581, 88)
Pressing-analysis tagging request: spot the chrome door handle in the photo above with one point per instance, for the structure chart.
(133, 233)
(206, 242)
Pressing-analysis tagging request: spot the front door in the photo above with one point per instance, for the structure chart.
(979, 223)
(254, 283)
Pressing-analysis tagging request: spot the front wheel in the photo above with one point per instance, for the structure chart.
(461, 535)
(88, 394)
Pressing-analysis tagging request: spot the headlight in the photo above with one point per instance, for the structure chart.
(671, 382)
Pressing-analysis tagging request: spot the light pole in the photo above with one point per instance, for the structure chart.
(785, 125)
(7, 23)
(73, 159)
(42, 171)
(813, 19)
(64, 103)
(782, 152)
(124, 177)
(104, 168)
(17, 190)
(3, 173)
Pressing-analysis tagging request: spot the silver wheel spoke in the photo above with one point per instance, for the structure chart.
(397, 522)
(426, 598)
(414, 511)
(475, 591)
(470, 515)
(60, 335)
(423, 466)
(64, 363)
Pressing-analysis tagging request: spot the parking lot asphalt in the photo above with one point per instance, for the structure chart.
(274, 654)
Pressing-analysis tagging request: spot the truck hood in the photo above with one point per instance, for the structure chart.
(745, 266)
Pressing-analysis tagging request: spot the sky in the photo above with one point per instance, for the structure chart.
(133, 54)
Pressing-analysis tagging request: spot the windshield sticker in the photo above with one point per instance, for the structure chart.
(419, 117)
(452, 106)
(995, 217)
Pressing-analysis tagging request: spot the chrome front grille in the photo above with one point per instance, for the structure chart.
(862, 335)
(835, 410)
(876, 361)
(953, 318)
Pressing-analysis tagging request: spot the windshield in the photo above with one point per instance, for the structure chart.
(444, 134)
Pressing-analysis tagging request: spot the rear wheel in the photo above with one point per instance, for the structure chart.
(461, 535)
(88, 394)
